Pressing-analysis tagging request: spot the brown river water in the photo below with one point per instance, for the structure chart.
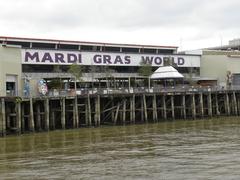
(190, 149)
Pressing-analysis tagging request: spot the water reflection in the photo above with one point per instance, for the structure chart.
(201, 149)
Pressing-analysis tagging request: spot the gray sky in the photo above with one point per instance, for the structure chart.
(189, 24)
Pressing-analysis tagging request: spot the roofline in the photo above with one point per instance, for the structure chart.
(57, 41)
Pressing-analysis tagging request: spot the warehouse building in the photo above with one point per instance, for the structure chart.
(24, 62)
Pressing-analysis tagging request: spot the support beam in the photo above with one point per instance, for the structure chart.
(116, 114)
(172, 107)
(46, 114)
(124, 111)
(133, 109)
(38, 119)
(145, 108)
(2, 118)
(235, 104)
(97, 111)
(164, 110)
(63, 113)
(86, 112)
(23, 118)
(217, 105)
(209, 104)
(154, 104)
(76, 111)
(193, 106)
(142, 110)
(201, 105)
(31, 117)
(227, 106)
(89, 111)
(184, 107)
(18, 117)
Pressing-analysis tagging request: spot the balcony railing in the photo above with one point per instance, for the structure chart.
(124, 90)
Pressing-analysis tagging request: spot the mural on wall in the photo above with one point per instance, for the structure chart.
(26, 88)
(42, 87)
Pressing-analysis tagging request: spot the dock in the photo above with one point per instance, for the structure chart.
(19, 115)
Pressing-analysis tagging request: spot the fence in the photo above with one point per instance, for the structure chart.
(124, 90)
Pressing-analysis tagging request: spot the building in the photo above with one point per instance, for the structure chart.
(26, 61)
(221, 64)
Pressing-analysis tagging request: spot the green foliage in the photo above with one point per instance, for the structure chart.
(76, 71)
(145, 69)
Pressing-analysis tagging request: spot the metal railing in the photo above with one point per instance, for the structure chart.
(123, 90)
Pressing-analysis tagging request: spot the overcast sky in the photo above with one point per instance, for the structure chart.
(189, 24)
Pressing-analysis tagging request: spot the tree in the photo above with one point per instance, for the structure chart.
(145, 69)
(77, 72)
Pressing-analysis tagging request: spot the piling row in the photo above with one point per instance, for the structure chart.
(48, 113)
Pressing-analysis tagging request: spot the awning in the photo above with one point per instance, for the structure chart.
(166, 72)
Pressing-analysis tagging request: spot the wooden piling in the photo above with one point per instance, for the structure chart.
(124, 111)
(116, 114)
(38, 119)
(164, 111)
(132, 109)
(23, 117)
(31, 117)
(209, 97)
(238, 103)
(145, 108)
(172, 107)
(75, 113)
(46, 115)
(217, 105)
(89, 111)
(193, 106)
(201, 104)
(154, 104)
(142, 111)
(227, 106)
(235, 104)
(86, 112)
(18, 117)
(97, 111)
(63, 113)
(52, 120)
(2, 118)
(184, 106)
